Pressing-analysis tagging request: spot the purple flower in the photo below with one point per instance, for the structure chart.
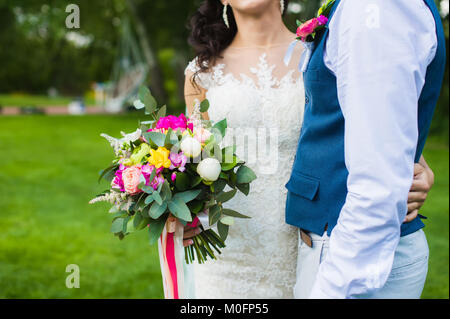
(147, 170)
(157, 181)
(118, 181)
(322, 20)
(173, 177)
(178, 160)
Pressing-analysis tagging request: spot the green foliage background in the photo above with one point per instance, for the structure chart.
(36, 55)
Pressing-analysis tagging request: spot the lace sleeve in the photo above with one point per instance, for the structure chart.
(202, 79)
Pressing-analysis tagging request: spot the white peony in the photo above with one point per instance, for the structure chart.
(191, 147)
(209, 169)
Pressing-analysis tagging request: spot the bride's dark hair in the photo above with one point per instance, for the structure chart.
(209, 34)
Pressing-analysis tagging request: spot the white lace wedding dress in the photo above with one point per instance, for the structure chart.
(256, 92)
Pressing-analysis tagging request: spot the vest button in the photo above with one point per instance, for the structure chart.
(307, 100)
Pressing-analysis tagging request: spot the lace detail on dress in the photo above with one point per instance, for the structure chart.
(261, 254)
(263, 73)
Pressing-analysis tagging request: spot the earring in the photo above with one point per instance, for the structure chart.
(282, 6)
(225, 15)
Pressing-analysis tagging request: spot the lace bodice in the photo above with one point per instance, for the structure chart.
(260, 258)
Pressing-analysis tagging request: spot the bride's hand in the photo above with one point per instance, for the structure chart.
(422, 184)
(190, 232)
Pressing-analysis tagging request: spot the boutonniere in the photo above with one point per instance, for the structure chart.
(306, 34)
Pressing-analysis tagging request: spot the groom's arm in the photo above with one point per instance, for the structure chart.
(379, 51)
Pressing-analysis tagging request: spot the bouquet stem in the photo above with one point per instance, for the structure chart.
(204, 246)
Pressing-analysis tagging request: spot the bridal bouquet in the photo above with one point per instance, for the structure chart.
(172, 173)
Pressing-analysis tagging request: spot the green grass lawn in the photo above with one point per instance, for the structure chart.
(437, 210)
(48, 175)
(20, 100)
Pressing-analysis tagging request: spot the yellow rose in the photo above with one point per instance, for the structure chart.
(160, 157)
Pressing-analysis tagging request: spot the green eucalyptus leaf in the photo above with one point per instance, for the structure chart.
(210, 203)
(221, 127)
(108, 173)
(161, 112)
(225, 196)
(204, 106)
(244, 188)
(117, 225)
(137, 220)
(219, 185)
(166, 193)
(149, 101)
(233, 213)
(229, 151)
(114, 209)
(215, 212)
(195, 206)
(130, 225)
(245, 175)
(138, 105)
(146, 189)
(227, 220)
(197, 180)
(144, 128)
(188, 196)
(232, 179)
(156, 227)
(156, 137)
(149, 199)
(157, 197)
(157, 210)
(229, 166)
(182, 181)
(121, 214)
(140, 222)
(140, 204)
(179, 209)
(152, 177)
(223, 230)
(144, 223)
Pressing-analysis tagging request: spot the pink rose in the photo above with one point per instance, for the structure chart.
(201, 134)
(174, 122)
(130, 178)
(307, 28)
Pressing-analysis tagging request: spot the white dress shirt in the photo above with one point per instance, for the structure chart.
(379, 51)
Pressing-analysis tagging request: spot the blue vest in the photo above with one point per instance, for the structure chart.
(317, 188)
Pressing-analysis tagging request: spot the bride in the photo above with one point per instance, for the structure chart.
(240, 45)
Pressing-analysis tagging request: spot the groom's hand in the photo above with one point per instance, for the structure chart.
(422, 183)
(190, 232)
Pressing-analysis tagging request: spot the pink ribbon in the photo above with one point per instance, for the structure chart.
(194, 223)
(171, 252)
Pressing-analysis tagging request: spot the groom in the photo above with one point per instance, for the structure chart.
(372, 84)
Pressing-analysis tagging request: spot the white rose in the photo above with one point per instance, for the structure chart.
(191, 147)
(209, 169)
